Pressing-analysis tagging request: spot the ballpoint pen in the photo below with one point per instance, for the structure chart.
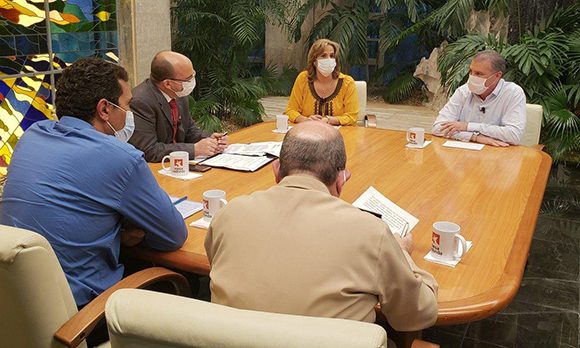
(405, 230)
(179, 200)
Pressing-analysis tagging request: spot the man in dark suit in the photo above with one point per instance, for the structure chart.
(162, 120)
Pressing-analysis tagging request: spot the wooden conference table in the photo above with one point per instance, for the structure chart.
(493, 194)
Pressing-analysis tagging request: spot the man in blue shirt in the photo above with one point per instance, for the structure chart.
(80, 185)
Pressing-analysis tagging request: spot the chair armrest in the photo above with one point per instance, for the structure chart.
(370, 121)
(77, 328)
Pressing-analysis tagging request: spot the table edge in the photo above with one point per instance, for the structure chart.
(505, 289)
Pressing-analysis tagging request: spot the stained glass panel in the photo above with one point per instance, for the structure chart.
(76, 28)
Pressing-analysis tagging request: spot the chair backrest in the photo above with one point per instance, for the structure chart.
(361, 91)
(35, 298)
(534, 117)
(141, 318)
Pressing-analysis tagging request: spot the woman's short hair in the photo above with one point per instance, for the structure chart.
(315, 51)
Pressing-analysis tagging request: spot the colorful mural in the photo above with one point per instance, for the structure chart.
(75, 28)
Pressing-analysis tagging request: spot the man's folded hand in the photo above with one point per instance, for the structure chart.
(132, 237)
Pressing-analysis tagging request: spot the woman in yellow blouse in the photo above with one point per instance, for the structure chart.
(322, 92)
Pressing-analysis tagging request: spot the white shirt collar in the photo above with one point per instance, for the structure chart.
(167, 97)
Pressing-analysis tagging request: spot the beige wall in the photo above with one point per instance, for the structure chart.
(144, 29)
(281, 52)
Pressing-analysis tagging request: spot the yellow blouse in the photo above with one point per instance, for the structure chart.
(342, 103)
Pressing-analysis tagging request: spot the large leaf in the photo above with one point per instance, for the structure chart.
(347, 26)
(246, 23)
(401, 88)
(203, 112)
(300, 15)
(560, 121)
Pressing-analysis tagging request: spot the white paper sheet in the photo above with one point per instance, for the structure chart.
(463, 145)
(201, 223)
(399, 220)
(413, 146)
(451, 263)
(188, 176)
(281, 132)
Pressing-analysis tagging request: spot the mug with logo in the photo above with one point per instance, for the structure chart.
(213, 201)
(416, 137)
(282, 123)
(446, 240)
(178, 162)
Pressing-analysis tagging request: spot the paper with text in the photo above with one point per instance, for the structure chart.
(238, 162)
(463, 145)
(399, 220)
(256, 149)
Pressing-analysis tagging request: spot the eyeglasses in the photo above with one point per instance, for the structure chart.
(181, 80)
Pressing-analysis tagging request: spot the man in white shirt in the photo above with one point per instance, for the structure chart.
(487, 109)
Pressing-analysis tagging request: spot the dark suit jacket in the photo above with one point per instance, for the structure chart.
(154, 124)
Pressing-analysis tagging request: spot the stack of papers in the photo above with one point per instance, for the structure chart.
(238, 162)
(246, 157)
(256, 149)
(399, 220)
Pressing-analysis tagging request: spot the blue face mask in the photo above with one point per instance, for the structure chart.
(124, 134)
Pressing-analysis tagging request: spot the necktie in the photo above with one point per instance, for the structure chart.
(175, 112)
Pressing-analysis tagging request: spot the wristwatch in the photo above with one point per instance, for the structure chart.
(474, 136)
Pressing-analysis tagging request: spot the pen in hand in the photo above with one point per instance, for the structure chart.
(221, 140)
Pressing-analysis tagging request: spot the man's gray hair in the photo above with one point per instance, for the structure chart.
(498, 62)
(321, 157)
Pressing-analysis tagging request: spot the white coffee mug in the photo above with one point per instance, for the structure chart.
(178, 162)
(416, 136)
(213, 200)
(444, 243)
(282, 123)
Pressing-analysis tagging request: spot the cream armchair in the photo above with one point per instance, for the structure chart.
(37, 305)
(140, 318)
(534, 117)
(364, 119)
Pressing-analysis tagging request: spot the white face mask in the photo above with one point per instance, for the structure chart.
(124, 134)
(187, 88)
(476, 84)
(325, 66)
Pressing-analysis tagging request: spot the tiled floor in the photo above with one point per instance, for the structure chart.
(546, 310)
